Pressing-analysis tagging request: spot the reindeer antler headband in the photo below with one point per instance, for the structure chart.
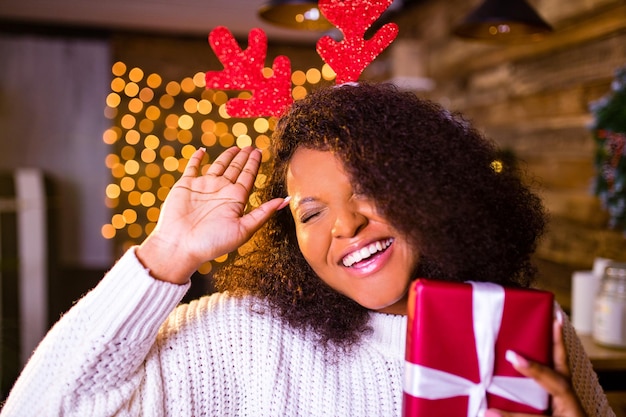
(243, 69)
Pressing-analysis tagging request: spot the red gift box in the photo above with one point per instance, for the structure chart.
(457, 337)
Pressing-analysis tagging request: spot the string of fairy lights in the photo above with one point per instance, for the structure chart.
(157, 125)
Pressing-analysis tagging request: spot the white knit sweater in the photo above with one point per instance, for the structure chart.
(217, 356)
(122, 351)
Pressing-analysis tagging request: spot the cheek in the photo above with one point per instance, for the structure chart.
(313, 244)
(305, 241)
(413, 261)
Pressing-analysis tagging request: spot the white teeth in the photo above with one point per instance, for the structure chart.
(366, 252)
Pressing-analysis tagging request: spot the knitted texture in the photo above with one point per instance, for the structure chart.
(230, 356)
(122, 351)
(584, 379)
(217, 356)
(90, 362)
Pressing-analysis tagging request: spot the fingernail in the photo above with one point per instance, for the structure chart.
(285, 202)
(515, 359)
(559, 317)
(492, 413)
(203, 149)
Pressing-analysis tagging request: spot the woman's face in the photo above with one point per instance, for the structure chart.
(347, 243)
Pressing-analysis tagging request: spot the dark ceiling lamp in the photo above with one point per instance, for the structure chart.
(295, 14)
(513, 21)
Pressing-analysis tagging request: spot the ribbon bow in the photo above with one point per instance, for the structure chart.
(487, 309)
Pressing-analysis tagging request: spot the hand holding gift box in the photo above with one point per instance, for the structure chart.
(457, 338)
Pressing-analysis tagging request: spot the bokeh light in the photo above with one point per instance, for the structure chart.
(157, 125)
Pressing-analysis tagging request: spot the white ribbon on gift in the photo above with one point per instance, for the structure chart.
(433, 384)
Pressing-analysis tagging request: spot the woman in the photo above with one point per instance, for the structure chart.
(383, 187)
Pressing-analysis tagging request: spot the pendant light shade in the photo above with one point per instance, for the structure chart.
(295, 14)
(503, 21)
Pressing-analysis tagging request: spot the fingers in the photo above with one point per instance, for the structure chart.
(243, 169)
(193, 166)
(556, 382)
(237, 166)
(559, 352)
(219, 166)
(552, 381)
(257, 217)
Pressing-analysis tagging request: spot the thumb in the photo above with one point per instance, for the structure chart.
(253, 220)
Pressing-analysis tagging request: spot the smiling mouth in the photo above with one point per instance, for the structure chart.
(366, 252)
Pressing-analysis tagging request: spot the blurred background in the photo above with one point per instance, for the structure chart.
(102, 103)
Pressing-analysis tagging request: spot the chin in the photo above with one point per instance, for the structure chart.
(375, 306)
(395, 306)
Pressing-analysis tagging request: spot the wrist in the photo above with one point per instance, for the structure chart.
(163, 261)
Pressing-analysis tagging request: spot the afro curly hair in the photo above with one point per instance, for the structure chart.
(431, 175)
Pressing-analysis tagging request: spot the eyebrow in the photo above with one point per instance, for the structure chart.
(303, 201)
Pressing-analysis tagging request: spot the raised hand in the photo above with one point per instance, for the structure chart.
(203, 216)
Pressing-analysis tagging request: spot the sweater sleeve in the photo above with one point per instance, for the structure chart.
(584, 378)
(91, 362)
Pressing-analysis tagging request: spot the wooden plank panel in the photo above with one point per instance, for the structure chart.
(458, 57)
(562, 173)
(580, 207)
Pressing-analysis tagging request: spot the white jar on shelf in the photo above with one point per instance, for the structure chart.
(609, 326)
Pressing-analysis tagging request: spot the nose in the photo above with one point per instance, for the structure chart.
(348, 222)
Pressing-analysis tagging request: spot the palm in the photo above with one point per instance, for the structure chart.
(205, 214)
(206, 210)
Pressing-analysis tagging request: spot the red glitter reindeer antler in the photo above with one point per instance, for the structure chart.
(243, 70)
(349, 57)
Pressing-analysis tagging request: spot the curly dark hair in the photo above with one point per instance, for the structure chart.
(431, 175)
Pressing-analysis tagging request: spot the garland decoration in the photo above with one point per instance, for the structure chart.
(609, 132)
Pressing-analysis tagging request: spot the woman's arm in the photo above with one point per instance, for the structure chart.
(90, 363)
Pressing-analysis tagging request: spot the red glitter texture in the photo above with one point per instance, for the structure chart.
(243, 70)
(350, 56)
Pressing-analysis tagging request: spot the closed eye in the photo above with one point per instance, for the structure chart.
(308, 216)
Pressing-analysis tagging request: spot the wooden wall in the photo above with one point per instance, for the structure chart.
(533, 99)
